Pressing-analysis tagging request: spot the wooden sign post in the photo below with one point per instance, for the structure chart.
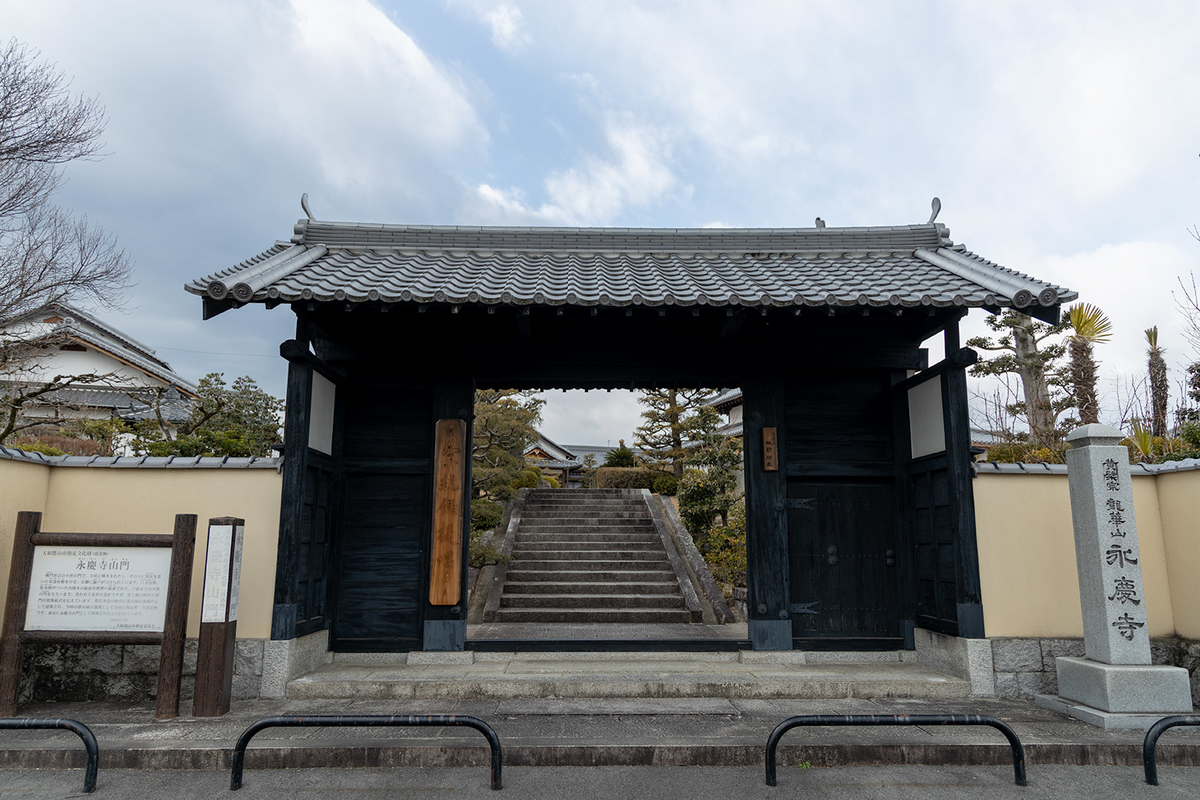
(218, 617)
(98, 588)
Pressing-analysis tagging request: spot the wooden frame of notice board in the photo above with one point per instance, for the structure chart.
(109, 587)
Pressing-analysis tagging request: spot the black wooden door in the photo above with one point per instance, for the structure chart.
(381, 563)
(841, 544)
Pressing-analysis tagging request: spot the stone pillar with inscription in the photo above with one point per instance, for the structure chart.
(1115, 686)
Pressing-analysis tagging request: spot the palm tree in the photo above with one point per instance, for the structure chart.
(1159, 388)
(1091, 327)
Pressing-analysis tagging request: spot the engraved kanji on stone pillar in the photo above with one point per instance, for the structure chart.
(1106, 547)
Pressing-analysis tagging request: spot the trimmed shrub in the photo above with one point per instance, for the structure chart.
(485, 515)
(666, 485)
(724, 549)
(528, 478)
(482, 555)
(38, 447)
(625, 478)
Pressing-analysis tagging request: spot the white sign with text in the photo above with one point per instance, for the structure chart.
(98, 589)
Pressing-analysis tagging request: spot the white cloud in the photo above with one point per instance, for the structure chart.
(598, 417)
(634, 174)
(502, 18)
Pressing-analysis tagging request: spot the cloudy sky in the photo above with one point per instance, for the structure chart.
(1062, 138)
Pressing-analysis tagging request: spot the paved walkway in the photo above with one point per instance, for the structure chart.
(581, 732)
(592, 783)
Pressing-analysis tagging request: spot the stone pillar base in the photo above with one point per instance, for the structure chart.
(285, 659)
(962, 658)
(1116, 696)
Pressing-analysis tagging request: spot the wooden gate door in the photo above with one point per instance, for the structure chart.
(841, 544)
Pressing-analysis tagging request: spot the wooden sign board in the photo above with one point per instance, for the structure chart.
(98, 588)
(218, 617)
(770, 450)
(222, 573)
(449, 477)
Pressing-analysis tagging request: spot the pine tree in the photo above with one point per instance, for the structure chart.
(1028, 355)
(664, 433)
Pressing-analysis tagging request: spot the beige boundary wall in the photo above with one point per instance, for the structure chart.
(143, 499)
(1027, 551)
(1023, 517)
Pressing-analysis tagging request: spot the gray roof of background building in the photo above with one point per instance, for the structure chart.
(123, 402)
(142, 462)
(900, 266)
(108, 339)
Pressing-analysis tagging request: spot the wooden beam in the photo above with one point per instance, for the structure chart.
(450, 446)
(294, 351)
(959, 360)
(731, 324)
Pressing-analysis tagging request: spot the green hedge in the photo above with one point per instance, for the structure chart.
(625, 478)
(666, 485)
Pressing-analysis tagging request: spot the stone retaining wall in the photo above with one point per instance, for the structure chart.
(1025, 667)
(72, 673)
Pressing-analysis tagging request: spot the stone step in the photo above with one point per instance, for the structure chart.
(615, 510)
(630, 615)
(650, 572)
(589, 587)
(589, 536)
(625, 675)
(600, 602)
(558, 544)
(583, 529)
(585, 565)
(614, 522)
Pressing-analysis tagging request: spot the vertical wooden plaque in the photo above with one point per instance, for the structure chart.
(770, 450)
(218, 617)
(450, 447)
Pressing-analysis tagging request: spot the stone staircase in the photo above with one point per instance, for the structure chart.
(589, 556)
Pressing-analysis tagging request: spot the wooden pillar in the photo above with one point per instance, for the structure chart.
(291, 501)
(19, 570)
(768, 566)
(179, 596)
(969, 598)
(906, 581)
(445, 625)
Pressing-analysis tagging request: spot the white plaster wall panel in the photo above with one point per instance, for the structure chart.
(926, 426)
(320, 421)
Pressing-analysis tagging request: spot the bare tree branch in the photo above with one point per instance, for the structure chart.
(48, 255)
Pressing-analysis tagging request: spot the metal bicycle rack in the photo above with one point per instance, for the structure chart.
(1149, 764)
(77, 728)
(396, 720)
(821, 720)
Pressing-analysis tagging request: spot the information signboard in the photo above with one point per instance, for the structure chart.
(98, 589)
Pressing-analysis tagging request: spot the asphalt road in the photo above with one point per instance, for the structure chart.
(587, 783)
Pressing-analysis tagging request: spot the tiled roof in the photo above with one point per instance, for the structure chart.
(126, 403)
(90, 330)
(142, 462)
(1186, 465)
(909, 265)
(726, 399)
